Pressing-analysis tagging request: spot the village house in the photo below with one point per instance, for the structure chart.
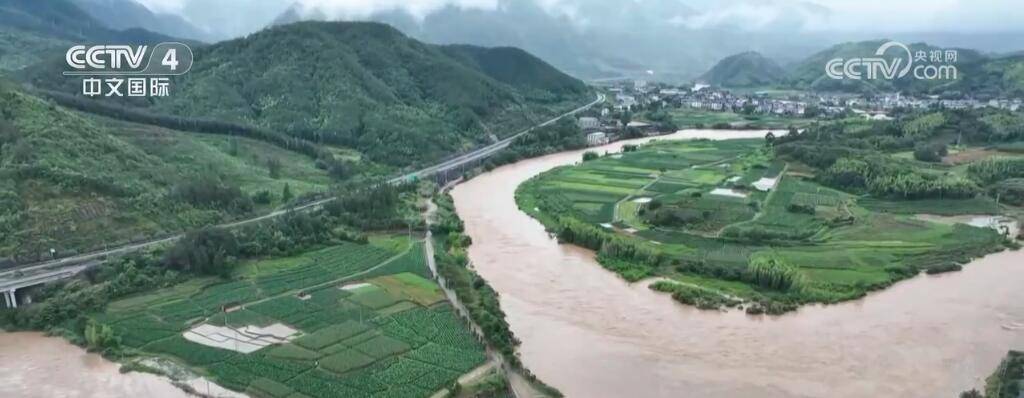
(597, 138)
(589, 123)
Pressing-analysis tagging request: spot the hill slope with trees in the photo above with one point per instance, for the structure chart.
(978, 74)
(32, 30)
(364, 86)
(72, 182)
(748, 69)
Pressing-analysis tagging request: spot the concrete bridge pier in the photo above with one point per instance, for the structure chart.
(10, 299)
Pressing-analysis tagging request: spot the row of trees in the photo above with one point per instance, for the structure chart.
(996, 169)
(210, 192)
(375, 207)
(561, 136)
(883, 177)
(771, 272)
(608, 245)
(473, 291)
(213, 251)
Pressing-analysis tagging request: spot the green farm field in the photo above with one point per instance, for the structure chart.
(700, 213)
(369, 322)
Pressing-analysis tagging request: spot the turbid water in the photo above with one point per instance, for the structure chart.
(33, 365)
(590, 334)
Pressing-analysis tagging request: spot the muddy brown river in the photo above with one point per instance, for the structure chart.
(590, 334)
(33, 365)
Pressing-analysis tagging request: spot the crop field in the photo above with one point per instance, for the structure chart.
(840, 245)
(395, 335)
(592, 191)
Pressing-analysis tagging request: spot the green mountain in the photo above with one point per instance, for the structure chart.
(74, 182)
(748, 69)
(978, 75)
(365, 86)
(33, 30)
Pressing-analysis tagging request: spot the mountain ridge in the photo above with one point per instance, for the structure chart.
(746, 69)
(361, 85)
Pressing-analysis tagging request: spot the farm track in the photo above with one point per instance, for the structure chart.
(518, 384)
(716, 234)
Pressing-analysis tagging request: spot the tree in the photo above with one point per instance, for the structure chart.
(209, 251)
(286, 194)
(626, 117)
(274, 168)
(930, 152)
(590, 155)
(100, 337)
(233, 149)
(769, 139)
(974, 393)
(772, 272)
(812, 111)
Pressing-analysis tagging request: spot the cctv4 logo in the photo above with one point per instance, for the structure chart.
(115, 57)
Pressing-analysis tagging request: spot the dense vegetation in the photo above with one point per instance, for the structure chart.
(72, 182)
(728, 224)
(390, 334)
(31, 31)
(1007, 381)
(856, 156)
(364, 86)
(978, 75)
(748, 69)
(561, 136)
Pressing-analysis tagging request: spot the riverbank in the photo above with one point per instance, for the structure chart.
(774, 240)
(35, 365)
(590, 334)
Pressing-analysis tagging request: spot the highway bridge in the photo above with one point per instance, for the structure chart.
(20, 277)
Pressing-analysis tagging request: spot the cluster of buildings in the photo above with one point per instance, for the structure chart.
(631, 96)
(704, 97)
(603, 130)
(891, 101)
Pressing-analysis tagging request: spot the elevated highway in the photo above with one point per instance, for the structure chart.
(20, 277)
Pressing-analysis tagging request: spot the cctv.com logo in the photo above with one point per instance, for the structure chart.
(922, 65)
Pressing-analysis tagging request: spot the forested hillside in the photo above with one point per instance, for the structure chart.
(365, 86)
(749, 69)
(72, 182)
(978, 74)
(32, 30)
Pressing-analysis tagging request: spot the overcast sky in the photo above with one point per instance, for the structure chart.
(960, 16)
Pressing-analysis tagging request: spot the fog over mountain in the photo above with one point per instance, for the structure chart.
(661, 39)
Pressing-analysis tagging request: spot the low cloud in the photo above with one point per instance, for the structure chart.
(348, 9)
(961, 16)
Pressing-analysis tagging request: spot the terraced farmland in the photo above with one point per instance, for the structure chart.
(701, 212)
(393, 334)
